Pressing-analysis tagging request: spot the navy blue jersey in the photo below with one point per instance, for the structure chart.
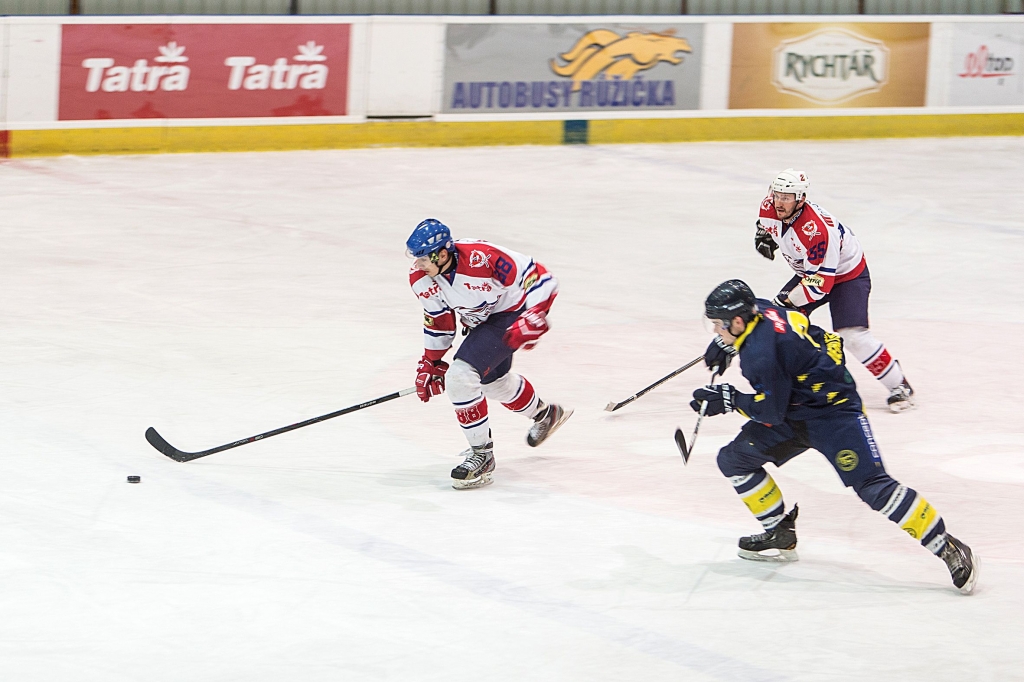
(797, 369)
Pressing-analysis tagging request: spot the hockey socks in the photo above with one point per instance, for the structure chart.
(463, 388)
(872, 354)
(515, 393)
(762, 497)
(913, 514)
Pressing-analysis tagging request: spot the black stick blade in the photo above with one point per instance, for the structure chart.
(680, 439)
(158, 442)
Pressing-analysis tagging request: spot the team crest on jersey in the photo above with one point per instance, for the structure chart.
(810, 228)
(479, 259)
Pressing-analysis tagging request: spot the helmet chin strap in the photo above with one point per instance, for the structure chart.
(801, 202)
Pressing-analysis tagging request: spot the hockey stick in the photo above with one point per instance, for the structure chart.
(158, 442)
(680, 438)
(612, 406)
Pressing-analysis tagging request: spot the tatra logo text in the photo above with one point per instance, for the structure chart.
(169, 73)
(302, 72)
(830, 66)
(432, 290)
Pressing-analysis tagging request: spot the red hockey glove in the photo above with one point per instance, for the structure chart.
(527, 329)
(430, 378)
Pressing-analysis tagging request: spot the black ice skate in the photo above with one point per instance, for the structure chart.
(475, 471)
(778, 544)
(546, 423)
(901, 398)
(963, 564)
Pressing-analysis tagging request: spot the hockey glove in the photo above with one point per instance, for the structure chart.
(781, 300)
(430, 378)
(527, 329)
(764, 243)
(719, 398)
(718, 355)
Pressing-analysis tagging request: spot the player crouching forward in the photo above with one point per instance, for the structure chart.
(805, 398)
(502, 298)
(831, 268)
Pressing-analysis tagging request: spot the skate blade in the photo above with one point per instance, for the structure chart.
(566, 413)
(470, 484)
(968, 587)
(901, 406)
(783, 556)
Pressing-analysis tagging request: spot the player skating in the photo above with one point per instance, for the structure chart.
(502, 298)
(831, 268)
(805, 398)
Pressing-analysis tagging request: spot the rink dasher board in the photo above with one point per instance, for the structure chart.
(391, 100)
(178, 138)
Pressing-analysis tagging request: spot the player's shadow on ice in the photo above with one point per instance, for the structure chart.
(645, 572)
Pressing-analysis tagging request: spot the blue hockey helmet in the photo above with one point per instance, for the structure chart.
(429, 237)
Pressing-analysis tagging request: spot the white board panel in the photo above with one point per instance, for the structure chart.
(33, 71)
(404, 69)
(714, 78)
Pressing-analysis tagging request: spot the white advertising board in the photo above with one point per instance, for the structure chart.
(985, 65)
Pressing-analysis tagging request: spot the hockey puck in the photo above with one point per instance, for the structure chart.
(135, 479)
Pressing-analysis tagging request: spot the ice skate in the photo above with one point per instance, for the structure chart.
(546, 423)
(778, 544)
(901, 398)
(475, 471)
(963, 564)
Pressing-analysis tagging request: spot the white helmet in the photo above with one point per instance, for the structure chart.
(792, 182)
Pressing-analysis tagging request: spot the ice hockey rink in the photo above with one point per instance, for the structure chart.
(216, 297)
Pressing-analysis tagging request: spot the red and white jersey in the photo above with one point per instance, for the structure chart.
(817, 246)
(486, 279)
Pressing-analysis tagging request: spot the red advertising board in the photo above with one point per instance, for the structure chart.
(203, 70)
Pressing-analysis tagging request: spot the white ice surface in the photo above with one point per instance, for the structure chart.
(219, 296)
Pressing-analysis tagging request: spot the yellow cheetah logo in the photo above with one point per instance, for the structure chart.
(604, 51)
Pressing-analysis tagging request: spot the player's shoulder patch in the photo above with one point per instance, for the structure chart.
(768, 209)
(482, 259)
(773, 316)
(810, 227)
(532, 274)
(476, 258)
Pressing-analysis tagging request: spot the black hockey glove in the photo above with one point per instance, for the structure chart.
(718, 355)
(719, 398)
(782, 301)
(764, 243)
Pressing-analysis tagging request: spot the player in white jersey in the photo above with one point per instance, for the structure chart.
(831, 268)
(502, 298)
